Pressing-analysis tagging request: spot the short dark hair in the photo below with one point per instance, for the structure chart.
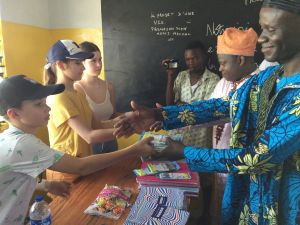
(89, 47)
(198, 45)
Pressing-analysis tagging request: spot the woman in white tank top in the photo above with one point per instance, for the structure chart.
(99, 93)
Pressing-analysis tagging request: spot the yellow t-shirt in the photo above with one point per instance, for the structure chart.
(61, 136)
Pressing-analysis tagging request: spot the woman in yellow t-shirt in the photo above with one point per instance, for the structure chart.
(71, 127)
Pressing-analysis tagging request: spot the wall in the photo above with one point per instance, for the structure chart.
(29, 30)
(77, 20)
(25, 36)
(30, 27)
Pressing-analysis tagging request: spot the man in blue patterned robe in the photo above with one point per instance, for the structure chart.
(263, 161)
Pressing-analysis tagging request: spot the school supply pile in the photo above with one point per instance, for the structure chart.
(110, 202)
(159, 205)
(178, 176)
(156, 168)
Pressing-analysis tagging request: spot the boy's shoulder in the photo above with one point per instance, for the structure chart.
(16, 144)
(13, 136)
(11, 132)
(10, 139)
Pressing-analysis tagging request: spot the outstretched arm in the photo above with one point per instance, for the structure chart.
(142, 118)
(90, 164)
(207, 112)
(272, 148)
(91, 134)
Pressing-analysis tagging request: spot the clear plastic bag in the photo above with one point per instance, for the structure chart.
(160, 140)
(110, 202)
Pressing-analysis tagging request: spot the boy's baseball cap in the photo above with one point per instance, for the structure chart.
(66, 49)
(18, 88)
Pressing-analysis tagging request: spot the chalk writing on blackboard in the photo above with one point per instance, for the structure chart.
(186, 13)
(163, 25)
(214, 29)
(211, 49)
(161, 15)
(249, 2)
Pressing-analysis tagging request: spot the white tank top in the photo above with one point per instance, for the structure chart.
(103, 110)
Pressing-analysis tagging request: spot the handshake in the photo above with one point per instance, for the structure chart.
(149, 119)
(137, 121)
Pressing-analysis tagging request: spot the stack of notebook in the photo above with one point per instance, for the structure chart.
(189, 186)
(157, 205)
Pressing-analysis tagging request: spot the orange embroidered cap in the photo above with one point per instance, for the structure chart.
(237, 42)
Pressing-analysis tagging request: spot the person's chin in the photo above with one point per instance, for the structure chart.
(46, 120)
(194, 70)
(74, 79)
(269, 54)
(97, 72)
(271, 58)
(226, 77)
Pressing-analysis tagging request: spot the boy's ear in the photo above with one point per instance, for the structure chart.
(12, 113)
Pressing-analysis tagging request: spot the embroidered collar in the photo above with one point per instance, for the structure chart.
(235, 84)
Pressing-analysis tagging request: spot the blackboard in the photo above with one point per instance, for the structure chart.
(138, 34)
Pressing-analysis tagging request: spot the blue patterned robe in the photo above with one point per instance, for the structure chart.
(263, 185)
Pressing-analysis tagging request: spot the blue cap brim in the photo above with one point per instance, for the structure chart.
(81, 56)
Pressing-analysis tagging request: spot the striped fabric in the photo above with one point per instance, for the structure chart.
(158, 206)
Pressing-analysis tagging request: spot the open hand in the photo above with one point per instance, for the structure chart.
(140, 119)
(157, 125)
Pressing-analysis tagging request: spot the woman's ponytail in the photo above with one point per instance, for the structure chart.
(50, 76)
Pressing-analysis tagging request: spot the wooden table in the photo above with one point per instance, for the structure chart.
(85, 190)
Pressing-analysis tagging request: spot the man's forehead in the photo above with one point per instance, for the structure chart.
(226, 57)
(273, 16)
